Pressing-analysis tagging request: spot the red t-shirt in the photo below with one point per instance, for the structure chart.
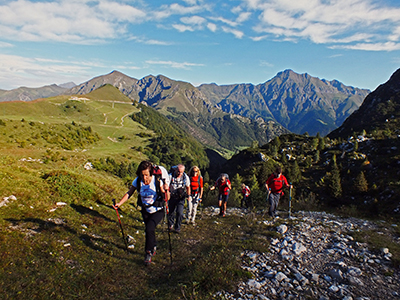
(276, 184)
(223, 187)
(196, 184)
(246, 191)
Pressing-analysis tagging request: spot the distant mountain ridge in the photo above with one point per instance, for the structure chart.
(231, 116)
(29, 94)
(299, 102)
(190, 108)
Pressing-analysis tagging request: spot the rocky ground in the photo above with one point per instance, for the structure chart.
(316, 257)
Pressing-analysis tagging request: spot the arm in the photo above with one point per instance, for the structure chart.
(287, 184)
(228, 183)
(126, 196)
(201, 188)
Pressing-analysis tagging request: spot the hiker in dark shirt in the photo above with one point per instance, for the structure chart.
(180, 189)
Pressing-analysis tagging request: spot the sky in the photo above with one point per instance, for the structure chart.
(199, 41)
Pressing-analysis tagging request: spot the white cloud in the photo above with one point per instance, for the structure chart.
(225, 21)
(237, 33)
(67, 21)
(266, 64)
(212, 27)
(5, 45)
(150, 41)
(182, 28)
(361, 24)
(244, 16)
(193, 20)
(388, 46)
(16, 71)
(166, 11)
(173, 64)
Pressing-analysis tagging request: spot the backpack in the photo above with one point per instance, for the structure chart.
(222, 175)
(199, 177)
(247, 189)
(181, 191)
(159, 202)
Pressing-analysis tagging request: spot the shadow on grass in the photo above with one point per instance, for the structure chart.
(43, 224)
(87, 211)
(95, 243)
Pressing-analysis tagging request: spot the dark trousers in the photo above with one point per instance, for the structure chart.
(175, 214)
(150, 222)
(273, 203)
(245, 201)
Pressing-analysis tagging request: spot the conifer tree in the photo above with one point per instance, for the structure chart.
(308, 162)
(254, 183)
(295, 173)
(266, 169)
(314, 143)
(360, 183)
(274, 151)
(316, 156)
(355, 147)
(321, 143)
(276, 142)
(206, 177)
(235, 193)
(334, 183)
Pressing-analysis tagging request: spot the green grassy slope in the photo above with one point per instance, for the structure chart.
(105, 110)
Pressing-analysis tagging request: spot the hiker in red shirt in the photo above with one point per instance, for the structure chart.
(246, 194)
(275, 184)
(224, 186)
(196, 193)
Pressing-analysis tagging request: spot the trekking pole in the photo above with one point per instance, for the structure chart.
(120, 225)
(166, 211)
(265, 210)
(290, 199)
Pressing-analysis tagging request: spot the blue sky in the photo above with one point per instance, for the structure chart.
(199, 41)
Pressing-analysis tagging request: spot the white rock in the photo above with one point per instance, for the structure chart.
(298, 248)
(253, 284)
(385, 250)
(334, 288)
(280, 276)
(282, 229)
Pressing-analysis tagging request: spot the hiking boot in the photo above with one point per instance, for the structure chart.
(147, 258)
(177, 230)
(153, 252)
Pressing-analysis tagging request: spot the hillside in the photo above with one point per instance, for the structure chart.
(379, 114)
(105, 111)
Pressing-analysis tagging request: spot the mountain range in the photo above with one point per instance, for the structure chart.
(230, 116)
(380, 111)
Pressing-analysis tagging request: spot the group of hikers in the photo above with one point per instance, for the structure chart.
(162, 192)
